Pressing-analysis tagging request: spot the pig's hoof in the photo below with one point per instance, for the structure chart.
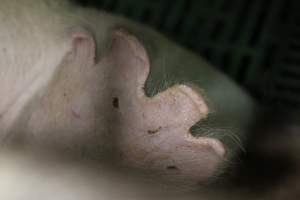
(153, 133)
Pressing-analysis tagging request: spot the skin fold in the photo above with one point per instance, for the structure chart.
(94, 106)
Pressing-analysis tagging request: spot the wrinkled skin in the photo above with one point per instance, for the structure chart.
(84, 89)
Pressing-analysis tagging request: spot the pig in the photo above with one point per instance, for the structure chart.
(113, 100)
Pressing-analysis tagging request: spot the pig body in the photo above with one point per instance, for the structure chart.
(78, 83)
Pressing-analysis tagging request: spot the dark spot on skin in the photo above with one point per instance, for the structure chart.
(116, 102)
(65, 94)
(151, 132)
(172, 167)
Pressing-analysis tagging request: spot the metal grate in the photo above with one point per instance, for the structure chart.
(256, 42)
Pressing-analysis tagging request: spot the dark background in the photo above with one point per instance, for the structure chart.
(255, 42)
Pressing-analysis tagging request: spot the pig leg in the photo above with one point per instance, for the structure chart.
(153, 133)
(89, 100)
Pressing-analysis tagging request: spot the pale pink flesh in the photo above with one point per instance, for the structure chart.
(153, 133)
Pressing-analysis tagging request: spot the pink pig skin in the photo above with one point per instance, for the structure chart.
(90, 100)
(154, 132)
(75, 86)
